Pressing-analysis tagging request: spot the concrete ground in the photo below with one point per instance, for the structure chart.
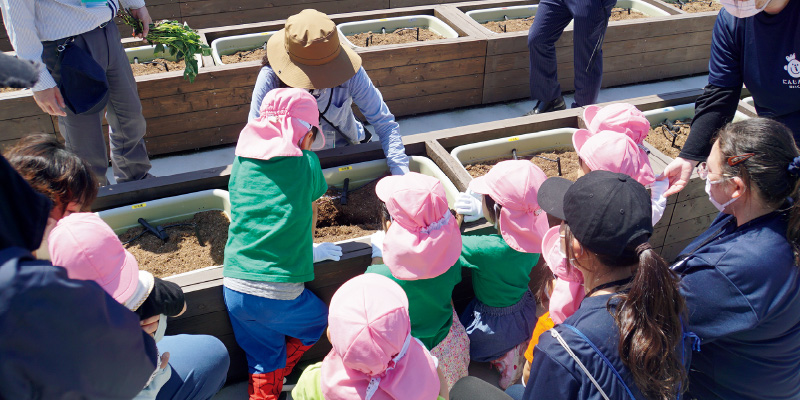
(419, 124)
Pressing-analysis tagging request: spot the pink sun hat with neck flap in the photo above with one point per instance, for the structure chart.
(89, 249)
(374, 355)
(285, 117)
(624, 118)
(423, 240)
(614, 152)
(514, 184)
(568, 291)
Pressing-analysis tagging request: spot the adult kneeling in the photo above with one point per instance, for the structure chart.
(740, 278)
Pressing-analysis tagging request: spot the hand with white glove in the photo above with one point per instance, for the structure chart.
(327, 251)
(376, 240)
(657, 199)
(470, 205)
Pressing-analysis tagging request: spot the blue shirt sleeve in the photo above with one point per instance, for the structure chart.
(369, 100)
(549, 378)
(724, 66)
(266, 81)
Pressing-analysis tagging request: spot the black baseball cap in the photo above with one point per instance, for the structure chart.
(607, 212)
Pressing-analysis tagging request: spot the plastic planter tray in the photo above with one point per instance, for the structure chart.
(147, 53)
(228, 45)
(392, 24)
(677, 112)
(364, 172)
(500, 13)
(642, 7)
(526, 144)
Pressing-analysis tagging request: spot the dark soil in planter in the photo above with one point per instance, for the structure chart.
(512, 25)
(147, 69)
(621, 14)
(188, 247)
(409, 35)
(660, 137)
(359, 217)
(698, 6)
(244, 56)
(569, 164)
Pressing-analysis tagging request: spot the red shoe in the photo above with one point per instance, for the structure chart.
(294, 351)
(265, 386)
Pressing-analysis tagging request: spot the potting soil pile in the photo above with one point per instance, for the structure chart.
(511, 25)
(698, 6)
(569, 164)
(403, 35)
(244, 56)
(188, 247)
(359, 217)
(161, 65)
(621, 14)
(660, 137)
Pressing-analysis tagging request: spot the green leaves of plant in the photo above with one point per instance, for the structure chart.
(181, 41)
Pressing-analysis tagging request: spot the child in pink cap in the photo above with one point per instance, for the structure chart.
(617, 152)
(623, 118)
(421, 246)
(502, 316)
(270, 254)
(89, 249)
(374, 355)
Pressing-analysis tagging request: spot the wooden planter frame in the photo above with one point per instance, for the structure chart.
(634, 51)
(206, 312)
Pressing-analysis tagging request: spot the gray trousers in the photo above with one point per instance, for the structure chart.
(84, 133)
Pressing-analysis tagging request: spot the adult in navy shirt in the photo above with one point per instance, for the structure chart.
(627, 333)
(740, 278)
(761, 51)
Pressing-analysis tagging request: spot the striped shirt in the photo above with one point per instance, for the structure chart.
(29, 22)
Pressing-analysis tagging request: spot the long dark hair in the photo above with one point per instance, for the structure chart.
(648, 315)
(53, 170)
(773, 148)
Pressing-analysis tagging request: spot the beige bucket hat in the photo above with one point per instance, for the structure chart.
(307, 54)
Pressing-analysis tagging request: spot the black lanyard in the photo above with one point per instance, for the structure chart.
(607, 285)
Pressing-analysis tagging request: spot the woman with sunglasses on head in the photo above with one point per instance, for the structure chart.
(758, 49)
(740, 278)
(626, 341)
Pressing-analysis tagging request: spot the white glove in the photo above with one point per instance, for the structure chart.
(376, 240)
(469, 205)
(327, 251)
(657, 199)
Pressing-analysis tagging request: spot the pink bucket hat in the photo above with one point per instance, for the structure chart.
(624, 118)
(286, 115)
(514, 185)
(568, 291)
(423, 241)
(614, 152)
(89, 250)
(374, 355)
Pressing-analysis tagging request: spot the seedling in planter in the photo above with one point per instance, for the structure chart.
(183, 42)
(557, 161)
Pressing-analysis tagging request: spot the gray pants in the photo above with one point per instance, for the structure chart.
(84, 133)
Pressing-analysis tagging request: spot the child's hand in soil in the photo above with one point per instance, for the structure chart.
(469, 205)
(327, 251)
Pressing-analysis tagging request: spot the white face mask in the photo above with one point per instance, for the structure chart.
(742, 8)
(719, 206)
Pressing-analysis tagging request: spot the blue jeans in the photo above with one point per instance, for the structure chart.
(516, 391)
(199, 367)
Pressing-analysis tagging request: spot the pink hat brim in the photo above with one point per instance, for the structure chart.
(579, 138)
(123, 286)
(414, 378)
(416, 255)
(589, 113)
(523, 231)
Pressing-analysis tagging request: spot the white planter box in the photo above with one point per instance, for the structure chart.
(500, 13)
(642, 7)
(392, 24)
(525, 145)
(148, 53)
(229, 45)
(750, 101)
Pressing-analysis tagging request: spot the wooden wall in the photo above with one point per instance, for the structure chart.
(634, 51)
